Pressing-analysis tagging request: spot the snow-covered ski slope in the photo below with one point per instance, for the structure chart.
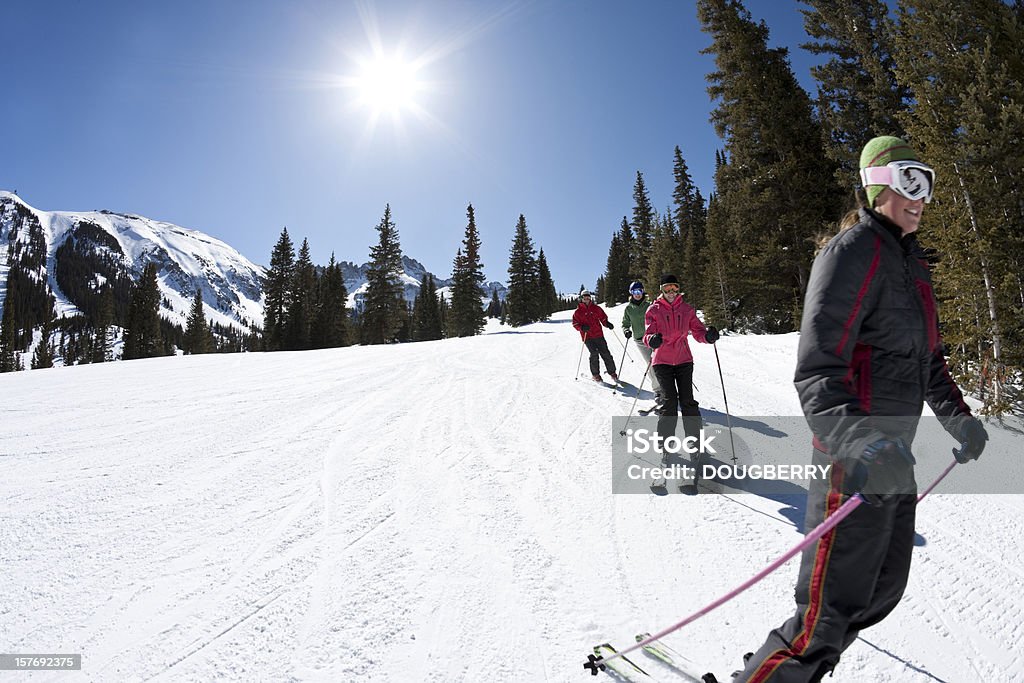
(426, 512)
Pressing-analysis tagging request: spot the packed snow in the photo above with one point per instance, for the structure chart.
(435, 511)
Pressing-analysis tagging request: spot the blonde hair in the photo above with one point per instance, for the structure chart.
(850, 219)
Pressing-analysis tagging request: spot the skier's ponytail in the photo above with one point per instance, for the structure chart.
(850, 219)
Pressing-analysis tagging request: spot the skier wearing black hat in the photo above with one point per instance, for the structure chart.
(669, 321)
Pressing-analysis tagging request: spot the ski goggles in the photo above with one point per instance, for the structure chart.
(910, 179)
(670, 289)
(636, 292)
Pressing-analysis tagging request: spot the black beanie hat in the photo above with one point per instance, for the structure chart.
(669, 279)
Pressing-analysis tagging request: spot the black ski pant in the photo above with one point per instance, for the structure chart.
(677, 389)
(852, 578)
(598, 346)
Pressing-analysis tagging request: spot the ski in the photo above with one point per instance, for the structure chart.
(623, 386)
(602, 382)
(623, 667)
(679, 663)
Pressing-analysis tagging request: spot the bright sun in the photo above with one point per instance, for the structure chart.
(388, 84)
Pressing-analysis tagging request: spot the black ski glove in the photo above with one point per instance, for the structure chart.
(883, 470)
(585, 328)
(608, 324)
(655, 341)
(972, 441)
(712, 335)
(628, 333)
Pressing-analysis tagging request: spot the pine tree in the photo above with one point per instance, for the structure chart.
(331, 324)
(26, 296)
(355, 326)
(467, 309)
(690, 218)
(198, 336)
(142, 336)
(384, 306)
(644, 221)
(665, 256)
(278, 293)
(67, 344)
(300, 311)
(445, 312)
(494, 309)
(612, 268)
(628, 269)
(858, 94)
(426, 312)
(104, 319)
(618, 267)
(405, 326)
(43, 355)
(547, 293)
(963, 63)
(9, 361)
(521, 301)
(716, 300)
(775, 188)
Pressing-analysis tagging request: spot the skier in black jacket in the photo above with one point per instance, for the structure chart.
(869, 356)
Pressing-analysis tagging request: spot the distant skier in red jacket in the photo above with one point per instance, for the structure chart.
(669, 321)
(588, 319)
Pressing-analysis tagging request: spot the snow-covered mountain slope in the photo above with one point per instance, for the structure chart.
(437, 511)
(186, 259)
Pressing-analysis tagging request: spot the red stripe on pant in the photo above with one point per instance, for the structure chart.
(816, 589)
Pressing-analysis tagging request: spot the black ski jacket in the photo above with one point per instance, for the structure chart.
(870, 351)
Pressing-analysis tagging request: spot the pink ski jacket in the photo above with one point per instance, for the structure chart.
(674, 322)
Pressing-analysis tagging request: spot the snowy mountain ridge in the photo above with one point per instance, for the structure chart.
(186, 259)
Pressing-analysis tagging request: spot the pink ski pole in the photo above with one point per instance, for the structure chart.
(839, 515)
(826, 526)
(935, 483)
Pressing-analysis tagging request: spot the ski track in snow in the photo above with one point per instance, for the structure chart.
(426, 512)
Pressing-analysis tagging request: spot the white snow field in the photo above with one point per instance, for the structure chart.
(437, 511)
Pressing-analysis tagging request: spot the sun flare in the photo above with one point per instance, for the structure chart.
(388, 84)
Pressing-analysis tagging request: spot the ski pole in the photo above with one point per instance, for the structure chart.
(626, 346)
(620, 340)
(639, 388)
(936, 482)
(728, 416)
(835, 518)
(580, 363)
(623, 358)
(827, 525)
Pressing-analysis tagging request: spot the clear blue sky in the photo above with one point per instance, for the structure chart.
(237, 119)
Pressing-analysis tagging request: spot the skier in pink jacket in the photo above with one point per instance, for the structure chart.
(669, 321)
